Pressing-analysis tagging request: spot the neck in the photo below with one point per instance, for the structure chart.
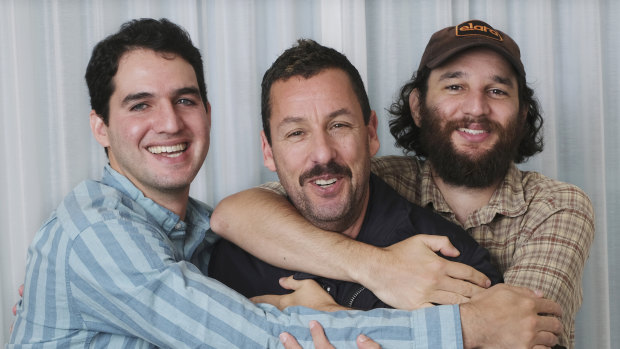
(464, 200)
(176, 203)
(174, 200)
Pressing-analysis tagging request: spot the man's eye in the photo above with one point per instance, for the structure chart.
(185, 101)
(453, 87)
(295, 134)
(138, 107)
(497, 91)
(339, 125)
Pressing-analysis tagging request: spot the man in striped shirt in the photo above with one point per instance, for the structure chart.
(121, 261)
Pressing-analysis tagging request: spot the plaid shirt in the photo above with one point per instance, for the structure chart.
(538, 230)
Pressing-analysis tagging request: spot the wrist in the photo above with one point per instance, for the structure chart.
(469, 334)
(369, 263)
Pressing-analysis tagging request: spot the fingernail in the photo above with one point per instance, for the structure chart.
(488, 283)
(362, 338)
(312, 324)
(283, 338)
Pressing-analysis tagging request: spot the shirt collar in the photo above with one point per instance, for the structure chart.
(185, 235)
(196, 218)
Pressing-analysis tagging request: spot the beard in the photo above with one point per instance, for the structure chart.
(335, 218)
(462, 169)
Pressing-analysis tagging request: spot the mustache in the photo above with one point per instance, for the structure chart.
(331, 168)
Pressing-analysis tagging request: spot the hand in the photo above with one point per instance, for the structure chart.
(320, 340)
(306, 293)
(410, 274)
(510, 317)
(21, 294)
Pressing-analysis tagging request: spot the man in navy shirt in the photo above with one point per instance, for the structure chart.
(318, 127)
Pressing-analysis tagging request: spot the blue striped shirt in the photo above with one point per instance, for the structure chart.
(112, 269)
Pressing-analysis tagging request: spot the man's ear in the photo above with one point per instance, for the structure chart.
(373, 137)
(267, 153)
(414, 106)
(99, 129)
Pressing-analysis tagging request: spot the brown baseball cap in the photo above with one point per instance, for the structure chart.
(473, 33)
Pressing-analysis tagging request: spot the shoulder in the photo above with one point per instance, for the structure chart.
(93, 203)
(393, 165)
(544, 193)
(556, 211)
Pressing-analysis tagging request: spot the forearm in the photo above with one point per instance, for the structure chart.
(552, 261)
(269, 227)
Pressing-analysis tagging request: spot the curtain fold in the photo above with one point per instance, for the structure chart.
(571, 51)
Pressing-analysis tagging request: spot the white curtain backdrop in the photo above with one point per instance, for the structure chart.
(570, 48)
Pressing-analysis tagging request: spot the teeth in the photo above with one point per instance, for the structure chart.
(176, 149)
(325, 182)
(471, 132)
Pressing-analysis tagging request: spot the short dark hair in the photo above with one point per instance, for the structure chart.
(147, 33)
(407, 134)
(308, 58)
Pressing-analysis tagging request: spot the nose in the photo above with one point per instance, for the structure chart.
(476, 103)
(167, 120)
(323, 148)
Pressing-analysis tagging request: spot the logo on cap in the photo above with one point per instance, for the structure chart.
(478, 28)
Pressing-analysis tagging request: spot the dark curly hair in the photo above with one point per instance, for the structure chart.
(157, 35)
(407, 134)
(308, 58)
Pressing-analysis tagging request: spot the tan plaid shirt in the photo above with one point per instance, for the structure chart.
(538, 230)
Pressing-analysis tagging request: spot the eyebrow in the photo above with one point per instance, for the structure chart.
(459, 74)
(134, 97)
(142, 95)
(292, 119)
(342, 111)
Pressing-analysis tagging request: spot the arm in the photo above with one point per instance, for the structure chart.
(162, 289)
(284, 238)
(321, 341)
(552, 256)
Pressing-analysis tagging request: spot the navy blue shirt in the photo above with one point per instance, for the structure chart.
(389, 219)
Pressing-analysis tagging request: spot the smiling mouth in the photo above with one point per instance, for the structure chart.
(323, 183)
(170, 151)
(471, 132)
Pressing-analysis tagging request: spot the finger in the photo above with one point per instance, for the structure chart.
(289, 283)
(363, 342)
(447, 297)
(288, 341)
(266, 298)
(545, 339)
(425, 305)
(547, 306)
(21, 290)
(550, 324)
(459, 286)
(15, 310)
(439, 244)
(467, 273)
(318, 335)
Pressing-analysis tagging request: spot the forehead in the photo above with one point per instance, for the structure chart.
(140, 68)
(329, 89)
(476, 62)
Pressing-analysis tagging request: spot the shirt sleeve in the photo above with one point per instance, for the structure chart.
(123, 279)
(551, 253)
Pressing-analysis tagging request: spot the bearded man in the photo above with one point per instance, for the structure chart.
(468, 117)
